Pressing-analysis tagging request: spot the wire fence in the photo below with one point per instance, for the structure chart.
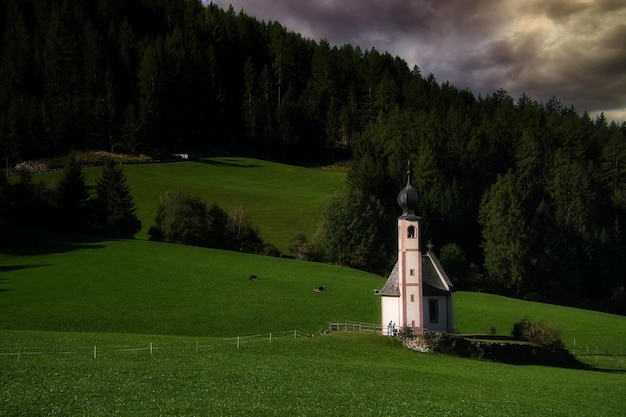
(95, 351)
(599, 354)
(266, 337)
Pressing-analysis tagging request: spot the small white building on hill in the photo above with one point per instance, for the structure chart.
(418, 293)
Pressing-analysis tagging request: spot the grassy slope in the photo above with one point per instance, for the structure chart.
(281, 199)
(476, 312)
(104, 291)
(97, 289)
(148, 287)
(139, 286)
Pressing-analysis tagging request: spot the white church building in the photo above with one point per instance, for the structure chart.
(418, 293)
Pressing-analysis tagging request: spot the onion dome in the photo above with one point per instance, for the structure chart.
(408, 197)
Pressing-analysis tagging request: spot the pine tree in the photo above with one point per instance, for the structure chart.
(72, 193)
(114, 207)
(504, 235)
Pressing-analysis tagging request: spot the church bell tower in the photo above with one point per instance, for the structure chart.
(402, 295)
(410, 260)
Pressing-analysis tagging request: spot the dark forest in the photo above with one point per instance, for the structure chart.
(519, 197)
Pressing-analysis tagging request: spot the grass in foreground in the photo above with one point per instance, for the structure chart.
(337, 374)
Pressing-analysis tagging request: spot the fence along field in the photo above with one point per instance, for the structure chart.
(605, 357)
(23, 352)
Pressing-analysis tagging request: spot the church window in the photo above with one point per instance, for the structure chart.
(412, 272)
(433, 310)
(411, 232)
(412, 298)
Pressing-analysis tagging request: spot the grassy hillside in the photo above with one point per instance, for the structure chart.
(78, 316)
(68, 283)
(148, 287)
(281, 199)
(64, 296)
(476, 312)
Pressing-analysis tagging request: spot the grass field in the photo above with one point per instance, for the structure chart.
(140, 286)
(132, 327)
(336, 375)
(281, 199)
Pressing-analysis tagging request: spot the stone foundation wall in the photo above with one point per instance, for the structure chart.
(507, 351)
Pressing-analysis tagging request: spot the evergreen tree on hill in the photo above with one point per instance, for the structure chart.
(113, 206)
(72, 194)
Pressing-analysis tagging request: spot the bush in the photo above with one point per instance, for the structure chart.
(537, 331)
(243, 233)
(181, 218)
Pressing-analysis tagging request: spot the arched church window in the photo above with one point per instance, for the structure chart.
(411, 232)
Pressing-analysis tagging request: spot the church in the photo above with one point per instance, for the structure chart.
(418, 293)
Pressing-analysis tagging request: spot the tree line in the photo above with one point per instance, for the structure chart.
(108, 210)
(180, 76)
(519, 197)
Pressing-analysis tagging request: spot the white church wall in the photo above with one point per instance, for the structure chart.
(391, 312)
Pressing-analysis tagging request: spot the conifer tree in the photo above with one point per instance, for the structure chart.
(114, 207)
(72, 193)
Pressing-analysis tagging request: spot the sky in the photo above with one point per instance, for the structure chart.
(574, 50)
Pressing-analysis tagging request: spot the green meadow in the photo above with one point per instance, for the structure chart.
(282, 200)
(97, 327)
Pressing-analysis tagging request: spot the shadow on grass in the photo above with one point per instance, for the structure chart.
(226, 163)
(8, 268)
(33, 242)
(585, 367)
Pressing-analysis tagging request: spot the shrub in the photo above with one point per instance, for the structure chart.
(243, 233)
(537, 331)
(405, 333)
(181, 218)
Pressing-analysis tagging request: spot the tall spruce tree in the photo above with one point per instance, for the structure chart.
(114, 207)
(72, 194)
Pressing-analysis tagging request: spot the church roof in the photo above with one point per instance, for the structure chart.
(392, 286)
(434, 278)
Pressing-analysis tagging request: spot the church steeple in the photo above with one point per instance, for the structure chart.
(408, 197)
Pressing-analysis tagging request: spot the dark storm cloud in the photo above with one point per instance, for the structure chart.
(572, 49)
